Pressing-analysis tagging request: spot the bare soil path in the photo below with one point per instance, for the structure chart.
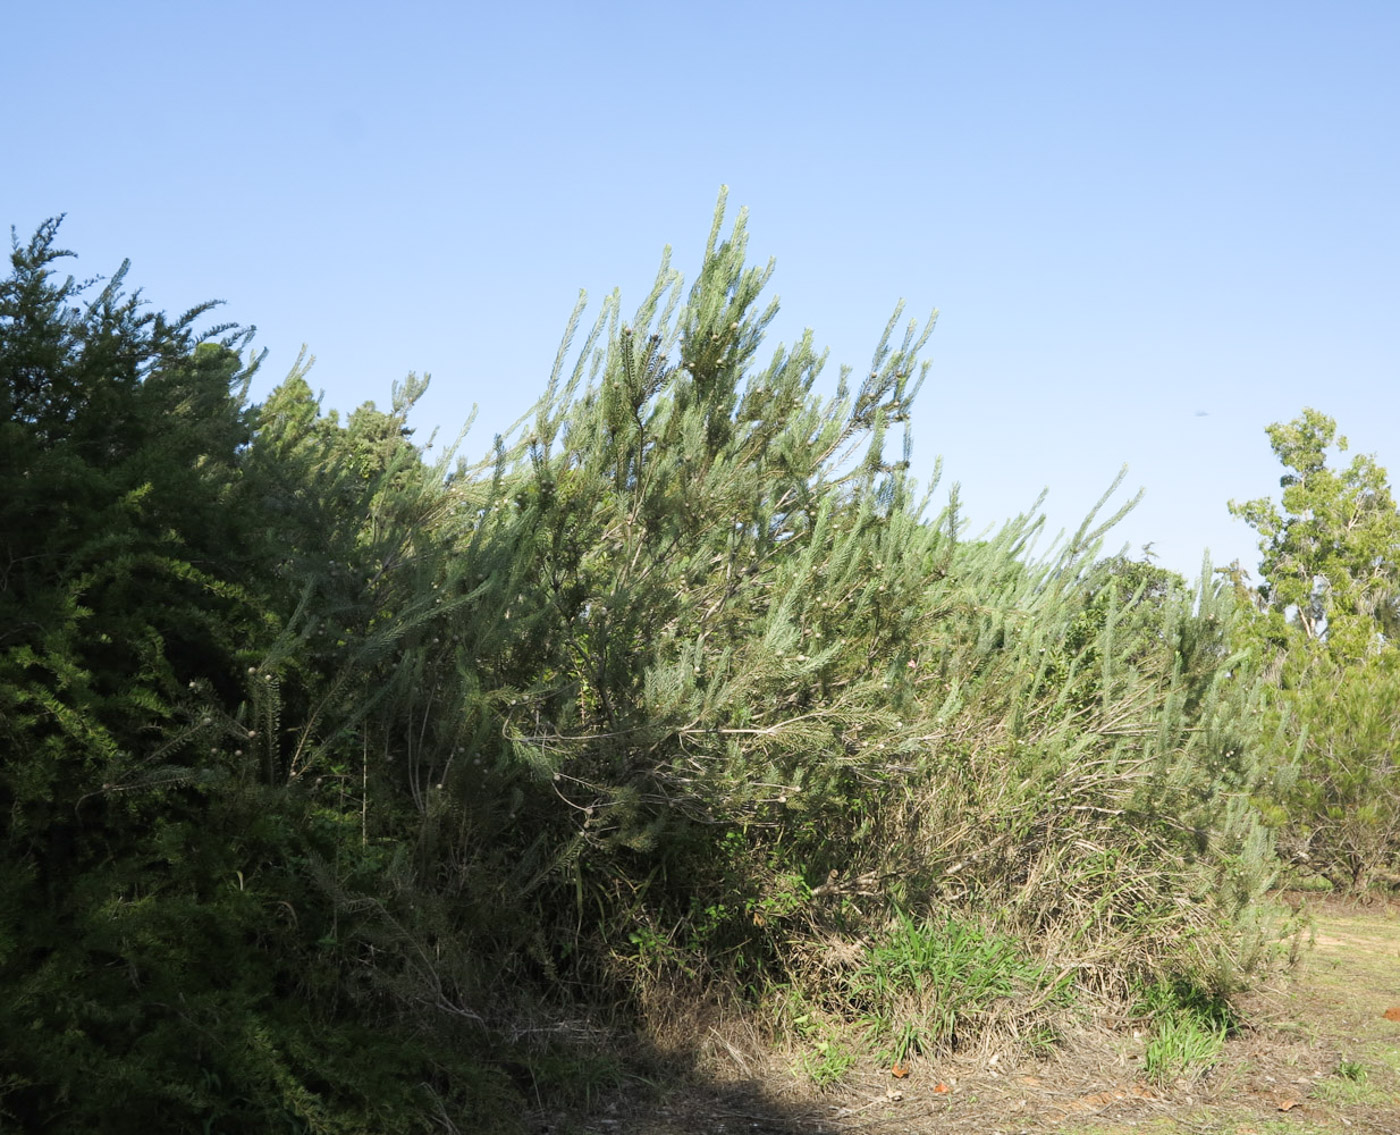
(1319, 1055)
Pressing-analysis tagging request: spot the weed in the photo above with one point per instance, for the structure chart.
(926, 981)
(1190, 1025)
(1040, 1041)
(826, 1063)
(1182, 1045)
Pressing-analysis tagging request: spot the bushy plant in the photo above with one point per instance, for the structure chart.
(1336, 794)
(760, 659)
(354, 790)
(1189, 1026)
(169, 956)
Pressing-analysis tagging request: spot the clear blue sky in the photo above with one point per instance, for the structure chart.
(1129, 215)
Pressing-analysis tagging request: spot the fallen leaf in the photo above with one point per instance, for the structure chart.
(1289, 1105)
(899, 1071)
(940, 1087)
(1392, 1014)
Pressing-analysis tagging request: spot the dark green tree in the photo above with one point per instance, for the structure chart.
(162, 903)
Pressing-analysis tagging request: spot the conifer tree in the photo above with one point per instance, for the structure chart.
(754, 648)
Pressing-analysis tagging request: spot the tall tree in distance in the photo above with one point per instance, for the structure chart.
(1331, 554)
(1330, 604)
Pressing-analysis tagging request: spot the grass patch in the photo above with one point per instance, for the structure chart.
(928, 984)
(1349, 1093)
(1182, 1046)
(1189, 1027)
(826, 1063)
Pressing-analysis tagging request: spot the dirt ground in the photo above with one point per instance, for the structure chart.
(1318, 1054)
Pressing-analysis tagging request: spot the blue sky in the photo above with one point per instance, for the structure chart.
(1128, 215)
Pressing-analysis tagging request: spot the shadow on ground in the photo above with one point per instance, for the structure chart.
(1317, 1055)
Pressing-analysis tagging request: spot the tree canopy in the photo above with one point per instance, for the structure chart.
(1331, 547)
(1328, 612)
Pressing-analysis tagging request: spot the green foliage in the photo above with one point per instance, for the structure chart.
(1189, 1028)
(1338, 794)
(925, 985)
(168, 953)
(358, 790)
(1328, 610)
(759, 661)
(1330, 556)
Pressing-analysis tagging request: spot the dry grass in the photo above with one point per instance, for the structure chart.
(1316, 1055)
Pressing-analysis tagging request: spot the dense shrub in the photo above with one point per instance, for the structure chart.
(351, 791)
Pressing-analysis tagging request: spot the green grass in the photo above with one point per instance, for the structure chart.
(1189, 1027)
(1349, 1086)
(826, 1063)
(1182, 1046)
(926, 983)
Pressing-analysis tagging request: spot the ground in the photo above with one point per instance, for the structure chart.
(1318, 1054)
